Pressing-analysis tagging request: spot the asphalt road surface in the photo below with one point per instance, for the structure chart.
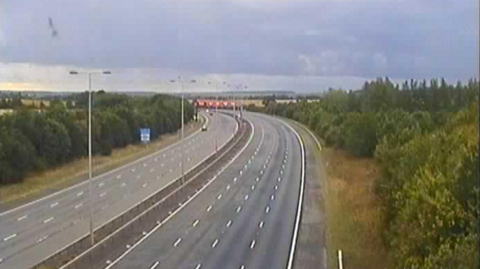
(246, 218)
(31, 232)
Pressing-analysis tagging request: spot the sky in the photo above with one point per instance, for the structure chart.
(299, 45)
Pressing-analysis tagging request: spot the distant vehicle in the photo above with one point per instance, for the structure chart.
(204, 128)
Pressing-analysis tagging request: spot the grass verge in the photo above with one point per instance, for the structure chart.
(354, 222)
(64, 176)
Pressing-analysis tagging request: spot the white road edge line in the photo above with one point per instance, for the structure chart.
(102, 175)
(185, 204)
(300, 198)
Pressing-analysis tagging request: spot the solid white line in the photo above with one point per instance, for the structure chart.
(177, 242)
(209, 208)
(155, 265)
(215, 243)
(186, 203)
(98, 177)
(54, 205)
(22, 218)
(195, 223)
(229, 223)
(48, 220)
(9, 237)
(300, 198)
(252, 245)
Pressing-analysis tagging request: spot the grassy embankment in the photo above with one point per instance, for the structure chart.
(73, 172)
(353, 219)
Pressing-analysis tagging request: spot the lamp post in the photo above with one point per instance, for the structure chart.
(180, 80)
(90, 189)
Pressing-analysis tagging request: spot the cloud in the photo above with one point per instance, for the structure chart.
(398, 38)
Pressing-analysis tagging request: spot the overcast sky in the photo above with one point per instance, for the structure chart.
(301, 45)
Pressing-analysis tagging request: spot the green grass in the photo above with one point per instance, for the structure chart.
(68, 174)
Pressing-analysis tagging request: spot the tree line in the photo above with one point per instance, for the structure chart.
(36, 140)
(424, 138)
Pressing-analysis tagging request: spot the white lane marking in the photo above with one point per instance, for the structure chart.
(246, 197)
(198, 266)
(219, 197)
(145, 185)
(235, 180)
(48, 220)
(267, 209)
(257, 179)
(196, 223)
(164, 155)
(144, 165)
(177, 242)
(239, 208)
(261, 172)
(253, 187)
(252, 245)
(228, 187)
(276, 187)
(103, 194)
(78, 206)
(54, 205)
(80, 193)
(124, 184)
(22, 218)
(272, 197)
(279, 179)
(170, 170)
(9, 237)
(41, 239)
(281, 172)
(242, 267)
(215, 243)
(139, 176)
(1, 260)
(133, 170)
(101, 185)
(161, 164)
(154, 265)
(241, 172)
(151, 170)
(264, 166)
(229, 223)
(283, 166)
(119, 176)
(261, 224)
(209, 208)
(156, 159)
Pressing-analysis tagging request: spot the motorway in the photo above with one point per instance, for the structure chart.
(31, 232)
(247, 217)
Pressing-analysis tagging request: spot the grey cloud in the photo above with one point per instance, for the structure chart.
(329, 38)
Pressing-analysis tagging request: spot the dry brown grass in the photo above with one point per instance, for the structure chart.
(73, 172)
(353, 217)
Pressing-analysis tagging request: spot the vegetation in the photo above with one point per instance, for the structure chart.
(35, 140)
(424, 139)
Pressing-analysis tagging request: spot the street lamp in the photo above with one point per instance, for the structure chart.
(90, 189)
(183, 120)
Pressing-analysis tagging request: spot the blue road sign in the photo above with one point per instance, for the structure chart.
(145, 135)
